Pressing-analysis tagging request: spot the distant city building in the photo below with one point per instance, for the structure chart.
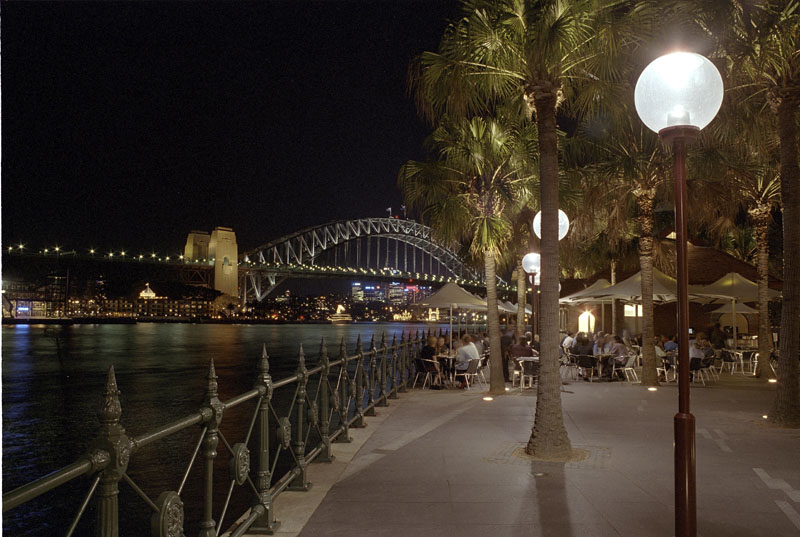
(395, 294)
(147, 294)
(357, 292)
(374, 293)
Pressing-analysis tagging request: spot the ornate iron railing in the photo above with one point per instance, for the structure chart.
(328, 399)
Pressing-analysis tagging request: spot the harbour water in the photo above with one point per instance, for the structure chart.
(53, 379)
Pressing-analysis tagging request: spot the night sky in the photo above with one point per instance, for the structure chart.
(126, 125)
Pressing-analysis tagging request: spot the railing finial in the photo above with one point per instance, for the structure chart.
(301, 358)
(212, 380)
(323, 351)
(111, 410)
(263, 363)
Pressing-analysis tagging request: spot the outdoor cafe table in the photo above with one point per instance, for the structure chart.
(534, 359)
(446, 365)
(739, 355)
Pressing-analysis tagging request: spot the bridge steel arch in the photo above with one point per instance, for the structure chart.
(305, 246)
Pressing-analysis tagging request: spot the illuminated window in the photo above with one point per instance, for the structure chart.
(586, 322)
(633, 310)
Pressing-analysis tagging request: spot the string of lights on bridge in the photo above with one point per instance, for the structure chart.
(153, 257)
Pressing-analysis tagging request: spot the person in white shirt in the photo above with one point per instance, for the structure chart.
(466, 352)
(568, 341)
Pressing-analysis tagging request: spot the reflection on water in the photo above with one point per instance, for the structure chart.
(53, 378)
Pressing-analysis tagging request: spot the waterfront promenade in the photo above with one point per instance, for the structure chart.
(439, 463)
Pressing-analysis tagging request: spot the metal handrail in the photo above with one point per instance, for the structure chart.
(345, 391)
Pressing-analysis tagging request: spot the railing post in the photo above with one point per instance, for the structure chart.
(383, 400)
(325, 418)
(266, 524)
(214, 405)
(358, 394)
(301, 481)
(402, 366)
(113, 441)
(343, 399)
(371, 378)
(394, 368)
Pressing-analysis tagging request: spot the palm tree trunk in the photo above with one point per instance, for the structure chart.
(522, 286)
(761, 218)
(616, 318)
(646, 221)
(786, 409)
(497, 384)
(549, 438)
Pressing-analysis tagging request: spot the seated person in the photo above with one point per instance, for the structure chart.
(662, 357)
(428, 352)
(701, 349)
(583, 346)
(619, 352)
(609, 343)
(441, 346)
(599, 345)
(670, 345)
(520, 348)
(478, 342)
(466, 352)
(536, 345)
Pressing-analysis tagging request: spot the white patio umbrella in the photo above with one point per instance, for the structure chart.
(454, 297)
(735, 288)
(630, 289)
(585, 295)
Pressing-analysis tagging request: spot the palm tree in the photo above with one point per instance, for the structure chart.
(761, 43)
(465, 192)
(747, 172)
(627, 157)
(532, 55)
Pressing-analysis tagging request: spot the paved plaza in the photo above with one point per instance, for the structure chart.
(444, 463)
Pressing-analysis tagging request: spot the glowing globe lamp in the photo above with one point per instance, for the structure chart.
(682, 89)
(531, 263)
(563, 224)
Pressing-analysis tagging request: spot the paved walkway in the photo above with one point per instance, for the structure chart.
(446, 463)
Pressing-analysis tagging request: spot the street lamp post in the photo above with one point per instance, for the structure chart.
(677, 95)
(563, 229)
(532, 264)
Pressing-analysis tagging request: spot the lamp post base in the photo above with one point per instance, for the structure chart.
(685, 498)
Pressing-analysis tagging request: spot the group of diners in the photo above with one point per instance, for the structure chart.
(513, 348)
(702, 352)
(450, 362)
(609, 349)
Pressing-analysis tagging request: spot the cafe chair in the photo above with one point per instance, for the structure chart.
(517, 371)
(471, 373)
(587, 364)
(481, 366)
(430, 371)
(530, 373)
(628, 369)
(570, 364)
(664, 371)
(727, 358)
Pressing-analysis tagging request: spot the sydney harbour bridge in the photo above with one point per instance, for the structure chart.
(370, 249)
